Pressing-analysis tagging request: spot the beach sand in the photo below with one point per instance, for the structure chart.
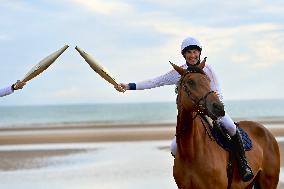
(89, 156)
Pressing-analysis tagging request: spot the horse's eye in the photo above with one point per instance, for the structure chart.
(190, 82)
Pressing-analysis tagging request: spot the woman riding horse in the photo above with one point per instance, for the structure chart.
(191, 51)
(200, 162)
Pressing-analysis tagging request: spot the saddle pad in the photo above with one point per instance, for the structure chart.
(227, 144)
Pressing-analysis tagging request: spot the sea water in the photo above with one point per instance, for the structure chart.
(158, 112)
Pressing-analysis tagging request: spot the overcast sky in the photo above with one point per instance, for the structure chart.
(134, 40)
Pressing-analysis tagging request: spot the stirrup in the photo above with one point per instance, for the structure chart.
(248, 175)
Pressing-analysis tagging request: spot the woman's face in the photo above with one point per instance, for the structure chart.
(192, 56)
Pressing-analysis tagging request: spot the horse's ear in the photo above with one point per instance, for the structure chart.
(180, 70)
(202, 64)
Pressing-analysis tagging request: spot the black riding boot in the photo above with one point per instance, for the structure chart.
(224, 133)
(245, 171)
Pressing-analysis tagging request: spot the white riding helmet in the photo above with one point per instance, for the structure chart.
(190, 43)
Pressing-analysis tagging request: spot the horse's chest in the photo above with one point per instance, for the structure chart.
(202, 180)
(200, 174)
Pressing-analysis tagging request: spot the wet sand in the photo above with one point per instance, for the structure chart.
(82, 132)
(94, 156)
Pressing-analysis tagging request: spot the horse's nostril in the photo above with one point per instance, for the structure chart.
(217, 106)
(218, 109)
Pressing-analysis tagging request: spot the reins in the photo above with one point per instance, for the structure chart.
(201, 110)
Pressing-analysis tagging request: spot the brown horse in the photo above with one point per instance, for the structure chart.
(201, 163)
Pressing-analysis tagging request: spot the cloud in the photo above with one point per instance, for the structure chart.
(16, 5)
(135, 39)
(4, 37)
(269, 8)
(239, 58)
(268, 52)
(104, 7)
(70, 92)
(259, 45)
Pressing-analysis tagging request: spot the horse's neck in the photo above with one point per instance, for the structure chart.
(189, 134)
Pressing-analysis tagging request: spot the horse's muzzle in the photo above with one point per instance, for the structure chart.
(218, 110)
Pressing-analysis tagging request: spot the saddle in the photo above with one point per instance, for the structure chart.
(223, 139)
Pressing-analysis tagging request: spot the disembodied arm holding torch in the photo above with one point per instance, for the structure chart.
(10, 89)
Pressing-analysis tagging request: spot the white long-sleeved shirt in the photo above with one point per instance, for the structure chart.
(172, 78)
(6, 91)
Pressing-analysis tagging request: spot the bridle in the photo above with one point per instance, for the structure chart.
(199, 104)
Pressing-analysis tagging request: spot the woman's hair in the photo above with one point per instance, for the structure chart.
(191, 47)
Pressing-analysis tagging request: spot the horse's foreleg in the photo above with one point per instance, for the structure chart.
(266, 181)
(250, 186)
(255, 183)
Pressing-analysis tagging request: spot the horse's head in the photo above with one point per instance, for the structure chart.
(195, 94)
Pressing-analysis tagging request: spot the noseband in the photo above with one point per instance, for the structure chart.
(200, 104)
